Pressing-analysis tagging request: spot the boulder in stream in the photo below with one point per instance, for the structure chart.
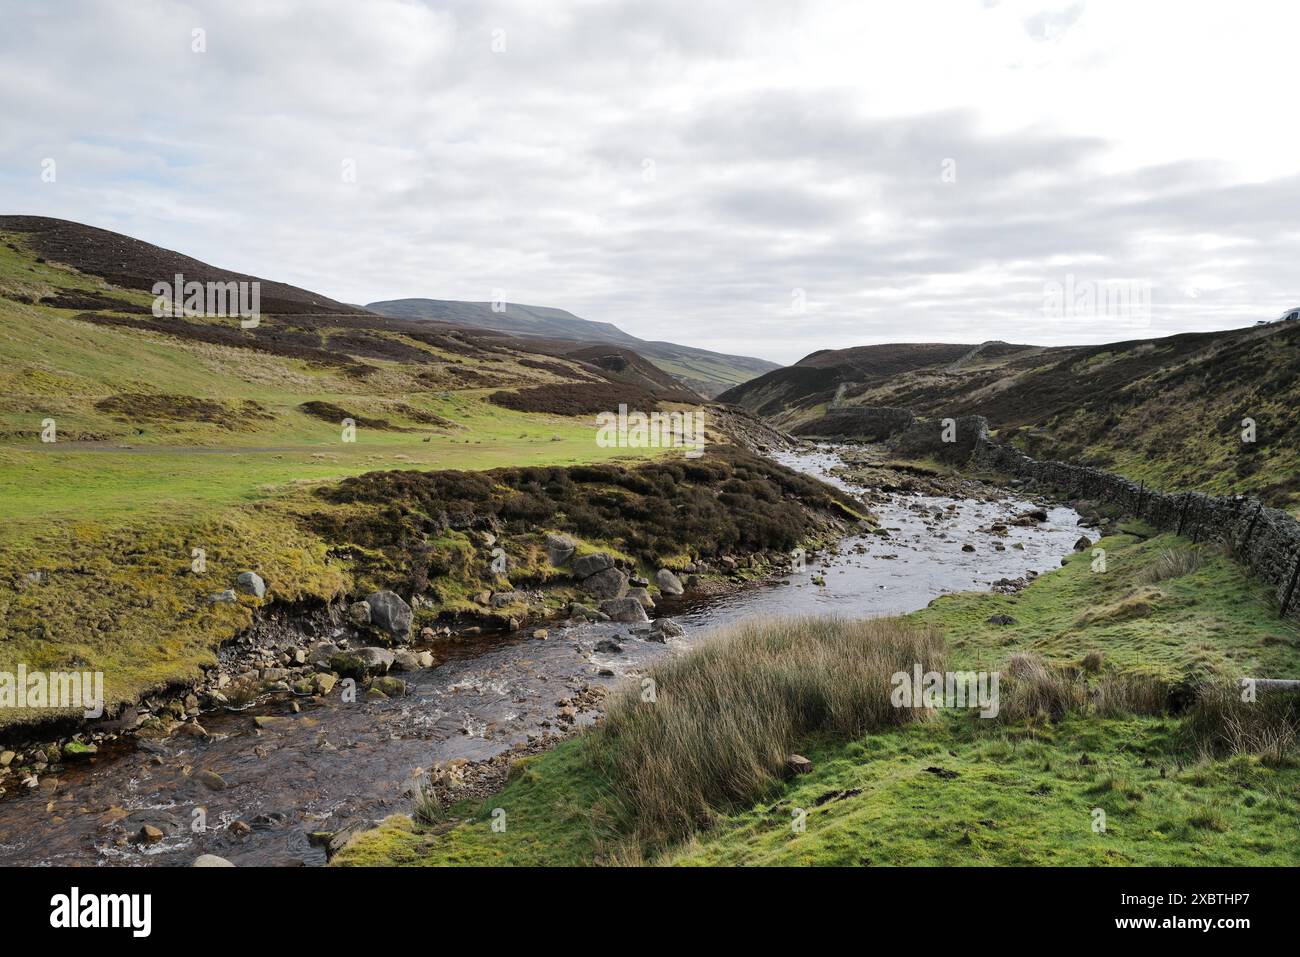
(391, 615)
(624, 609)
(669, 584)
(608, 583)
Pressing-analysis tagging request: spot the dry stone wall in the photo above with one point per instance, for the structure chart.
(1265, 540)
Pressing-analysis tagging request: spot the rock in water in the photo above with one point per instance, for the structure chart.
(1083, 544)
(669, 584)
(406, 661)
(250, 583)
(624, 609)
(608, 583)
(643, 596)
(362, 662)
(391, 687)
(377, 661)
(668, 627)
(390, 614)
(210, 779)
(579, 610)
(210, 860)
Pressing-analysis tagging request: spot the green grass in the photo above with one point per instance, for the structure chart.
(557, 813)
(1018, 798)
(40, 484)
(55, 366)
(1025, 791)
(1214, 620)
(111, 510)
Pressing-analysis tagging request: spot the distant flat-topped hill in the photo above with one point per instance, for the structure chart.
(708, 373)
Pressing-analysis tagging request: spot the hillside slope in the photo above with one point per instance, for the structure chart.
(128, 441)
(133, 264)
(708, 373)
(1169, 411)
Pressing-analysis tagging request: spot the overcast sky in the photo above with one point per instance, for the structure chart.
(759, 178)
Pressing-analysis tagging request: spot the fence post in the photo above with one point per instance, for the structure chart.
(1251, 527)
(1295, 573)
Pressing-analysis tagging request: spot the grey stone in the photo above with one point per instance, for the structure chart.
(624, 609)
(405, 661)
(211, 860)
(250, 583)
(609, 583)
(390, 614)
(579, 610)
(362, 662)
(588, 565)
(359, 613)
(668, 583)
(643, 596)
(377, 660)
(559, 548)
(503, 598)
(669, 627)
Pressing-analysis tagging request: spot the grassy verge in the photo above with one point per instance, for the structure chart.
(1101, 779)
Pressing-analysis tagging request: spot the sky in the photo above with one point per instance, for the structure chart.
(762, 178)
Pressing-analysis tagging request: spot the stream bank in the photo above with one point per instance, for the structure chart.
(266, 785)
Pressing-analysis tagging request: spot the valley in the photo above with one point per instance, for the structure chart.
(357, 579)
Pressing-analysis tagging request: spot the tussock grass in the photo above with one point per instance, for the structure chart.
(1219, 722)
(1033, 690)
(1171, 563)
(726, 716)
(429, 807)
(1135, 693)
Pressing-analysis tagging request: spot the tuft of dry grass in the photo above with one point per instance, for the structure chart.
(1132, 693)
(1031, 690)
(1220, 722)
(1171, 563)
(713, 729)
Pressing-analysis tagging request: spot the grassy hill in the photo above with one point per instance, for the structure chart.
(708, 373)
(1168, 411)
(181, 432)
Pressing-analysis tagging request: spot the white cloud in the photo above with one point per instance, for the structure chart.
(794, 146)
